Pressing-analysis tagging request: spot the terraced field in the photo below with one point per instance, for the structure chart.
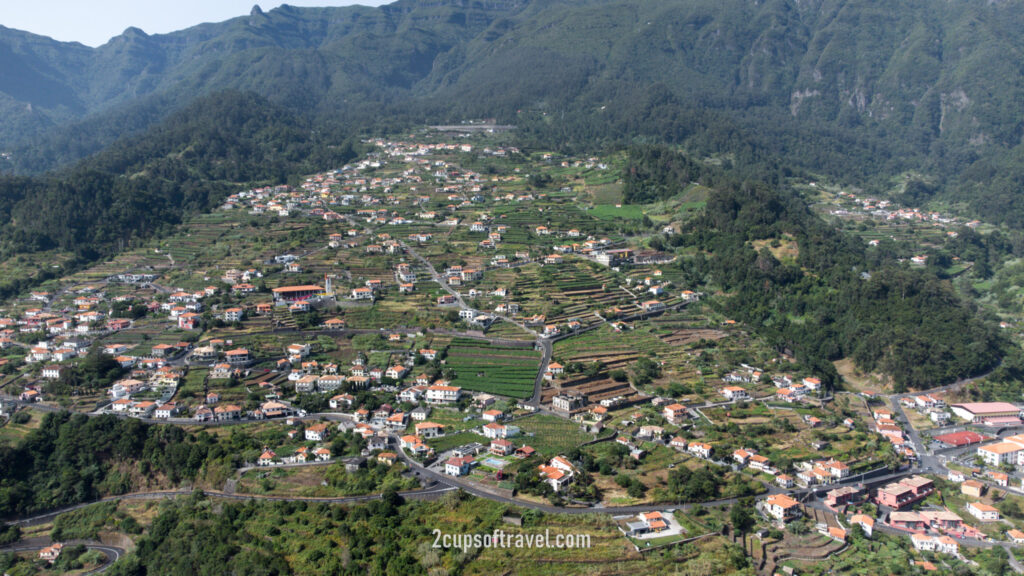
(551, 435)
(493, 369)
(508, 331)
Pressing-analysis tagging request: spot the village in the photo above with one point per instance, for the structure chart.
(450, 311)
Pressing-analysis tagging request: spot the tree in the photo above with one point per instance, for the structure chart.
(740, 515)
(636, 489)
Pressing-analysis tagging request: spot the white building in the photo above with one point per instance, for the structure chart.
(496, 430)
(983, 512)
(442, 394)
(1009, 451)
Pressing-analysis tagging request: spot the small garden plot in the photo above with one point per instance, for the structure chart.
(449, 441)
(191, 387)
(550, 435)
(17, 427)
(493, 369)
(606, 338)
(324, 481)
(452, 420)
(617, 211)
(508, 331)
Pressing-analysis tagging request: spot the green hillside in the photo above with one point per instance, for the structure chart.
(856, 89)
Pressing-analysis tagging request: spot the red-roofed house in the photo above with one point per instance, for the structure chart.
(905, 492)
(502, 447)
(675, 413)
(458, 466)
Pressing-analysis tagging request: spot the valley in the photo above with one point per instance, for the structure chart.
(454, 319)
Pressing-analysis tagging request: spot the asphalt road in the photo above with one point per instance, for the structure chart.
(112, 553)
(431, 492)
(438, 484)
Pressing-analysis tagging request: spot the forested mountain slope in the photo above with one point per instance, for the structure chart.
(858, 89)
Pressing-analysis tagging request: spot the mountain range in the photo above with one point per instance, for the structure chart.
(859, 90)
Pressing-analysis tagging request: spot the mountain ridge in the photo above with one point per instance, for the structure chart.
(917, 85)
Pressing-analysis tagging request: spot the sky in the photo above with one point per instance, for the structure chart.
(94, 22)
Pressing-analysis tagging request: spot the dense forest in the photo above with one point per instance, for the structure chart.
(837, 299)
(385, 537)
(144, 185)
(71, 459)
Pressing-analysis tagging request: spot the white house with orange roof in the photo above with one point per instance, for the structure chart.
(429, 429)
(414, 444)
(837, 469)
(51, 552)
(268, 458)
(496, 430)
(732, 393)
(396, 372)
(318, 432)
(700, 449)
(648, 523)
(940, 544)
(443, 394)
(556, 474)
(238, 356)
(166, 411)
(341, 401)
(227, 412)
(502, 447)
(866, 523)
(492, 415)
(298, 351)
(562, 464)
(782, 507)
(983, 512)
(362, 293)
(760, 463)
(652, 306)
(675, 413)
(458, 466)
(812, 383)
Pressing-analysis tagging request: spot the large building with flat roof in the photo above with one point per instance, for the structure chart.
(296, 293)
(962, 438)
(992, 413)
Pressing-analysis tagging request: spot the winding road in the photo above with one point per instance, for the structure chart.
(112, 553)
(437, 484)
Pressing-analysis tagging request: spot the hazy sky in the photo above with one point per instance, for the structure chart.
(93, 22)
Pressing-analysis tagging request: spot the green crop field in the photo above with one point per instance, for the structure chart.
(551, 435)
(493, 369)
(612, 211)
